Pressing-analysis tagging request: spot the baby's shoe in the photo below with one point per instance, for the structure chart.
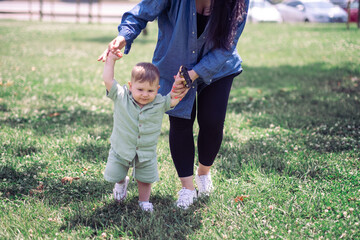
(146, 206)
(120, 190)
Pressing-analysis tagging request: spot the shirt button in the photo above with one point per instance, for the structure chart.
(139, 136)
(193, 14)
(193, 52)
(139, 125)
(193, 32)
(137, 148)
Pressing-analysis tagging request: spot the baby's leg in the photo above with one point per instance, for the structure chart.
(144, 191)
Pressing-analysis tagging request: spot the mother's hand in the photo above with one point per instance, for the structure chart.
(114, 46)
(179, 90)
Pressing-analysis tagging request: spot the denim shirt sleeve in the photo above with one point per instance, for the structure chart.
(215, 59)
(135, 20)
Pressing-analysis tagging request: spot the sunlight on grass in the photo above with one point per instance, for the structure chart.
(288, 167)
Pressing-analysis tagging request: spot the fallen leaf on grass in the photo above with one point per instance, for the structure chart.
(9, 83)
(54, 220)
(6, 84)
(65, 180)
(38, 189)
(54, 114)
(34, 191)
(241, 198)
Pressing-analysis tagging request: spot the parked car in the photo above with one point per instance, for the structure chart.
(311, 11)
(263, 11)
(340, 3)
(354, 11)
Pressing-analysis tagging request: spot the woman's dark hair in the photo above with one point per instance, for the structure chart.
(224, 20)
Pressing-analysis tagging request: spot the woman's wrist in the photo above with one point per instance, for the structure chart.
(193, 75)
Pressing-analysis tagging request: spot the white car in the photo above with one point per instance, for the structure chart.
(263, 11)
(311, 11)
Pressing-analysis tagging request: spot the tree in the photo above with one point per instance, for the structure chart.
(358, 20)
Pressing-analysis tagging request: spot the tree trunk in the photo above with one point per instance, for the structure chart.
(358, 21)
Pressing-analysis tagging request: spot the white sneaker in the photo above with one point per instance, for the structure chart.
(204, 184)
(146, 206)
(186, 198)
(120, 190)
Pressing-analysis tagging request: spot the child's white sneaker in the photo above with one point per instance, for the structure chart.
(120, 190)
(186, 198)
(146, 206)
(204, 184)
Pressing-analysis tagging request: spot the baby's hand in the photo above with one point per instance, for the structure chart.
(115, 56)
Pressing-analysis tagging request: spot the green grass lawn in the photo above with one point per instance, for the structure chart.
(288, 167)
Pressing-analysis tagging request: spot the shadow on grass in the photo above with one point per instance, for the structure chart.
(278, 154)
(326, 104)
(166, 222)
(317, 111)
(18, 184)
(58, 121)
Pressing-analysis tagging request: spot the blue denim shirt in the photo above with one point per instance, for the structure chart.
(178, 45)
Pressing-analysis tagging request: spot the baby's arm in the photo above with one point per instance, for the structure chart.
(108, 74)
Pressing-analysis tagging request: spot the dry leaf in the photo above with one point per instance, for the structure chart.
(54, 114)
(34, 191)
(40, 187)
(241, 198)
(65, 180)
(9, 83)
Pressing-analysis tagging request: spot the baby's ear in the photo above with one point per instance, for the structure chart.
(129, 83)
(158, 87)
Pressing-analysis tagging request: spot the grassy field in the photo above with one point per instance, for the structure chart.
(288, 167)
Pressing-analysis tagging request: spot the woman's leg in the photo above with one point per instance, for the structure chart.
(182, 148)
(212, 105)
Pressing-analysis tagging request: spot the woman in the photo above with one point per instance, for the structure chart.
(201, 35)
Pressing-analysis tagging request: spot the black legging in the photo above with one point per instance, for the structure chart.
(211, 103)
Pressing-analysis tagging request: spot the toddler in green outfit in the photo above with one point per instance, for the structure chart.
(138, 114)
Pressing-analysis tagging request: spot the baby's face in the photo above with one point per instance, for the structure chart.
(144, 92)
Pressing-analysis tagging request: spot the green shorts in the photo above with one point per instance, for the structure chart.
(117, 169)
